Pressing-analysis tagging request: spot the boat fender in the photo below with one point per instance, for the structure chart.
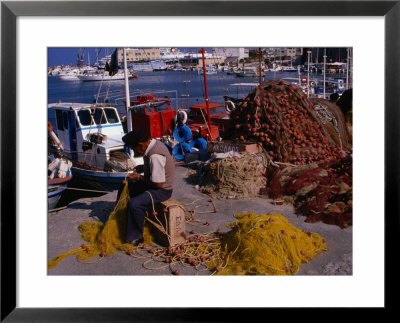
(182, 134)
(180, 150)
(199, 143)
(181, 117)
(229, 106)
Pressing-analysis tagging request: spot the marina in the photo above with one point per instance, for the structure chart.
(256, 139)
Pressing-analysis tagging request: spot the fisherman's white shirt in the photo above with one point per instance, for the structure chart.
(157, 164)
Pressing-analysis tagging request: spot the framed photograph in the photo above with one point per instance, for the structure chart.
(31, 29)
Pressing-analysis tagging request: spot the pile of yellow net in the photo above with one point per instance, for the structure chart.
(256, 245)
(266, 245)
(103, 239)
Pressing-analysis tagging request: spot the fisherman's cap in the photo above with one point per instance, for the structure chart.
(134, 137)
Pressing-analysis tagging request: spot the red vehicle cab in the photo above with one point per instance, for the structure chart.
(219, 119)
(155, 115)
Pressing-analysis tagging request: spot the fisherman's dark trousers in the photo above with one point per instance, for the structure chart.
(139, 203)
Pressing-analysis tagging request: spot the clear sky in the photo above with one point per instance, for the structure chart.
(69, 55)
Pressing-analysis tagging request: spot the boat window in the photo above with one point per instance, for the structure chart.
(142, 110)
(99, 117)
(160, 108)
(84, 117)
(60, 124)
(111, 115)
(65, 117)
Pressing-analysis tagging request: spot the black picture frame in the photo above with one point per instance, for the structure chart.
(10, 10)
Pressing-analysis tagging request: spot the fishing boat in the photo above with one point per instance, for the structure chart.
(59, 175)
(288, 69)
(197, 119)
(100, 76)
(248, 72)
(331, 87)
(55, 188)
(68, 75)
(91, 138)
(210, 70)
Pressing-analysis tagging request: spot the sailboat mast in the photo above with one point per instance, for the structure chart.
(127, 95)
(206, 91)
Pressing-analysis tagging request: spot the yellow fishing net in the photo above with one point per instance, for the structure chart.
(256, 245)
(266, 245)
(103, 239)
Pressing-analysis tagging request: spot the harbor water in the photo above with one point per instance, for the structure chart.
(183, 88)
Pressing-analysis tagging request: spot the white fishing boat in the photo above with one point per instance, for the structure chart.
(290, 69)
(68, 75)
(210, 70)
(248, 72)
(100, 76)
(91, 138)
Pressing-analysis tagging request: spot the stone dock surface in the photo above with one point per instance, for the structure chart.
(63, 234)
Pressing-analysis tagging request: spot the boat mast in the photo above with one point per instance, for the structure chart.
(127, 95)
(206, 91)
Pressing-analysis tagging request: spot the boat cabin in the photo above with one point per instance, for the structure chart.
(89, 135)
(219, 118)
(154, 115)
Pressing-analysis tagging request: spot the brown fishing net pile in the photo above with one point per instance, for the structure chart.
(320, 192)
(235, 177)
(279, 115)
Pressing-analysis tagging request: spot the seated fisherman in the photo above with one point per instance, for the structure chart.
(158, 180)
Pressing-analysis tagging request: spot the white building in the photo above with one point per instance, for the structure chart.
(231, 52)
(284, 51)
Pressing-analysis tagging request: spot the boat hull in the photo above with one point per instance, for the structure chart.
(55, 188)
(97, 78)
(99, 180)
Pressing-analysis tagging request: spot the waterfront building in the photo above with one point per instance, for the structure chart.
(231, 52)
(139, 54)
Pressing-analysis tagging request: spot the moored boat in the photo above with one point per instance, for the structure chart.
(59, 175)
(248, 72)
(100, 76)
(55, 188)
(91, 137)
